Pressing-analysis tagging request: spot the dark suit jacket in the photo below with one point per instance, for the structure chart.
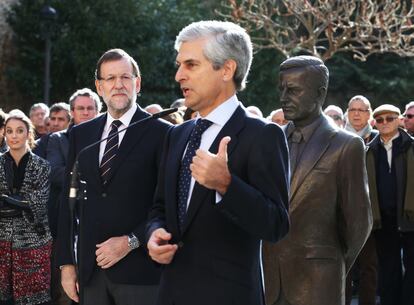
(57, 154)
(218, 260)
(330, 221)
(119, 208)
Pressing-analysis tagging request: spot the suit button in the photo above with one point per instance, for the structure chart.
(180, 244)
(104, 195)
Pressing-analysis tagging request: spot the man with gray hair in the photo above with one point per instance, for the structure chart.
(359, 113)
(409, 118)
(336, 114)
(224, 182)
(38, 114)
(84, 105)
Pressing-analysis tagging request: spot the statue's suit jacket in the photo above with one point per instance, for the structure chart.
(330, 221)
(218, 259)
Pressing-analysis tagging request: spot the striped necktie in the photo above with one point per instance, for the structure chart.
(111, 148)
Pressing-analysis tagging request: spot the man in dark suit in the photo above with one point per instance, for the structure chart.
(329, 205)
(84, 105)
(120, 174)
(221, 189)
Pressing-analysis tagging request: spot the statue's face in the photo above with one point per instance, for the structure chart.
(300, 96)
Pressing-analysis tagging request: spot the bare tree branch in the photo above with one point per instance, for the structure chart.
(326, 27)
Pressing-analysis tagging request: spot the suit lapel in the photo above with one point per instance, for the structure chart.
(315, 148)
(231, 128)
(131, 137)
(91, 158)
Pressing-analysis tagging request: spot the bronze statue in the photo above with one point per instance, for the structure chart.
(329, 204)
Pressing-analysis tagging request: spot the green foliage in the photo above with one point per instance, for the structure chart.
(383, 79)
(84, 29)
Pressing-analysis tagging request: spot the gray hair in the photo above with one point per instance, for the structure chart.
(362, 99)
(41, 106)
(227, 40)
(334, 108)
(409, 106)
(85, 92)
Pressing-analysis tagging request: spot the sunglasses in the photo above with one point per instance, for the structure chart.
(389, 119)
(409, 116)
(336, 117)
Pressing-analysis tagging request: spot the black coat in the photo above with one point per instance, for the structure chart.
(218, 260)
(119, 208)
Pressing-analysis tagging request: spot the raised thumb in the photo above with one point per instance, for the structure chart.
(222, 151)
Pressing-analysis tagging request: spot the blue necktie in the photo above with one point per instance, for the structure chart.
(111, 148)
(184, 178)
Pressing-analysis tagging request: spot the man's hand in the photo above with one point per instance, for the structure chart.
(70, 282)
(211, 170)
(159, 249)
(112, 251)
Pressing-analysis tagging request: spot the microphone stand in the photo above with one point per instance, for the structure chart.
(78, 193)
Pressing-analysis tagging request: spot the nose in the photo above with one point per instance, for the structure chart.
(118, 82)
(179, 75)
(283, 95)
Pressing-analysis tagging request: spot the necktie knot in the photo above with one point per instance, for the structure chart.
(116, 124)
(297, 136)
(201, 126)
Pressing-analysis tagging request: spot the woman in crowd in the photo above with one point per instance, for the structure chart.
(25, 240)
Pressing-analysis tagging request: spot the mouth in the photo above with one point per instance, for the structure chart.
(185, 91)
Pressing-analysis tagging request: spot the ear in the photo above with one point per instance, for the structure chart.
(229, 68)
(138, 84)
(321, 95)
(98, 87)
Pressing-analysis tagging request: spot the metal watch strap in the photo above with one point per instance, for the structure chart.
(133, 241)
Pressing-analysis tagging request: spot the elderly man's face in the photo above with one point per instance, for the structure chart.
(409, 120)
(299, 96)
(387, 124)
(358, 114)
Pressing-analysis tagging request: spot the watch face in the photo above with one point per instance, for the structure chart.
(133, 242)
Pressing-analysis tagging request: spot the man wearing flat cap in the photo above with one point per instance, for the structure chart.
(390, 166)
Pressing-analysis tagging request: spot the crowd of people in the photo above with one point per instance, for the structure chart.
(200, 189)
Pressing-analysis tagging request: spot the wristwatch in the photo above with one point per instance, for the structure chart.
(133, 241)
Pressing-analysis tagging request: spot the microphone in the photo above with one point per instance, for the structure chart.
(74, 181)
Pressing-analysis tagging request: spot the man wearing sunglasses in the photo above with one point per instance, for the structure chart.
(390, 167)
(409, 118)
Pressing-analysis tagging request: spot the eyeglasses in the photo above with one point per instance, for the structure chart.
(358, 110)
(80, 108)
(125, 79)
(388, 119)
(409, 116)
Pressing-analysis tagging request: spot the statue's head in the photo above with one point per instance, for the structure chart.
(303, 84)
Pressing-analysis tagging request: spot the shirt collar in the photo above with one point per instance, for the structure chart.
(389, 144)
(306, 131)
(221, 114)
(125, 118)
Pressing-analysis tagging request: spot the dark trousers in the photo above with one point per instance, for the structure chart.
(396, 285)
(366, 265)
(59, 296)
(100, 290)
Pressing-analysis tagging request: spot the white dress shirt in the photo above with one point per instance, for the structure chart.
(125, 120)
(388, 148)
(219, 118)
